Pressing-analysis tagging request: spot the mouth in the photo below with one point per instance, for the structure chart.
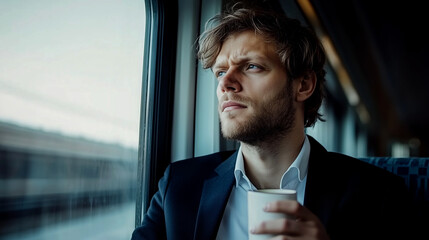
(231, 105)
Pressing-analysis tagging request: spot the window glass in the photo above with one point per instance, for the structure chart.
(70, 95)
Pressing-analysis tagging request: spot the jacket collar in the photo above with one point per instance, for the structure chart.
(322, 190)
(214, 198)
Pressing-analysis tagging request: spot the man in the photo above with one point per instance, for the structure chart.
(270, 86)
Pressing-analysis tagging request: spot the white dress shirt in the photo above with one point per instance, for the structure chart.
(234, 221)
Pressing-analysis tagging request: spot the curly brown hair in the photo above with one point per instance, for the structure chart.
(298, 47)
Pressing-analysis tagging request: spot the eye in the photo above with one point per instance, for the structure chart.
(252, 66)
(220, 74)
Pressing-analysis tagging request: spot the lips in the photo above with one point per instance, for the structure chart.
(231, 105)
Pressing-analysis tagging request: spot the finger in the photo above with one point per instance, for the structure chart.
(283, 237)
(291, 208)
(278, 226)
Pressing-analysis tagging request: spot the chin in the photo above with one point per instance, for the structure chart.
(228, 128)
(231, 129)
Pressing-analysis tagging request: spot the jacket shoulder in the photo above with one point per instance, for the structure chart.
(347, 167)
(199, 166)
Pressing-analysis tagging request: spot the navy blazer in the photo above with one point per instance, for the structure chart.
(353, 199)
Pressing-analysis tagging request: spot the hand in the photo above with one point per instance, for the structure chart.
(305, 224)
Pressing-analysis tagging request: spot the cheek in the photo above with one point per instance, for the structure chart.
(218, 92)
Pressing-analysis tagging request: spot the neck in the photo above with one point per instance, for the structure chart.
(266, 162)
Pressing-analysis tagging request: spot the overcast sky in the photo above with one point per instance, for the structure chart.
(73, 66)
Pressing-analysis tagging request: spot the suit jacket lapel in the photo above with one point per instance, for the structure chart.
(322, 190)
(214, 197)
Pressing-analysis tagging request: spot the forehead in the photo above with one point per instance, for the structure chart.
(245, 45)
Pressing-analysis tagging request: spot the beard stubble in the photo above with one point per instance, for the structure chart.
(272, 119)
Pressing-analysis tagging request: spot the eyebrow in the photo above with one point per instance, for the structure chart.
(239, 60)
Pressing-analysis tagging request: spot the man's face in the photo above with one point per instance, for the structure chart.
(255, 96)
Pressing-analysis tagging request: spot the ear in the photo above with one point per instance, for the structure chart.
(306, 86)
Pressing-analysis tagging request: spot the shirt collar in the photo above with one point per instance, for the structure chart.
(298, 169)
(241, 178)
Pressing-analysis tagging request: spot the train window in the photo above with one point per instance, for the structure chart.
(70, 97)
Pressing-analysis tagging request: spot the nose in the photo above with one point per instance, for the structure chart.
(230, 82)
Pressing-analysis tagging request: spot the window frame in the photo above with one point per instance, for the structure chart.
(157, 99)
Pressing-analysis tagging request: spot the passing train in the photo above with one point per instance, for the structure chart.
(46, 176)
(116, 68)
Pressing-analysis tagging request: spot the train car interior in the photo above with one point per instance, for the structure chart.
(98, 97)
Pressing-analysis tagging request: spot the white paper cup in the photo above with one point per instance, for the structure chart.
(257, 200)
